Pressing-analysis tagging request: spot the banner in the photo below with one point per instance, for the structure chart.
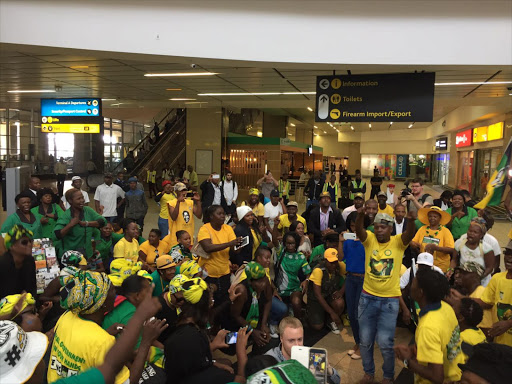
(498, 181)
(401, 166)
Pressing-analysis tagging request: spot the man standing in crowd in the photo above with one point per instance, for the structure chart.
(229, 190)
(136, 204)
(417, 199)
(468, 199)
(91, 167)
(61, 170)
(370, 210)
(290, 216)
(379, 303)
(357, 186)
(191, 176)
(182, 212)
(358, 202)
(284, 188)
(376, 182)
(313, 189)
(274, 208)
(267, 184)
(332, 188)
(105, 198)
(151, 180)
(34, 185)
(76, 182)
(383, 206)
(324, 220)
(125, 187)
(212, 195)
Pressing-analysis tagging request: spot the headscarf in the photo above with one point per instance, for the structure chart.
(85, 293)
(194, 292)
(16, 233)
(72, 259)
(481, 223)
(67, 274)
(190, 268)
(254, 191)
(8, 302)
(145, 275)
(176, 284)
(254, 271)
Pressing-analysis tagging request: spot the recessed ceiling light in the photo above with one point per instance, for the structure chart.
(181, 99)
(310, 109)
(325, 132)
(476, 83)
(79, 66)
(180, 74)
(410, 126)
(108, 99)
(352, 127)
(370, 125)
(256, 93)
(390, 123)
(33, 91)
(293, 125)
(315, 126)
(289, 134)
(173, 89)
(259, 134)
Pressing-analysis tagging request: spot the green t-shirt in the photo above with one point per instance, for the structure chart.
(47, 229)
(92, 375)
(103, 246)
(317, 255)
(14, 219)
(291, 264)
(121, 314)
(461, 226)
(160, 284)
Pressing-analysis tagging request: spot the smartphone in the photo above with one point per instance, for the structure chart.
(231, 338)
(349, 236)
(301, 354)
(318, 364)
(190, 194)
(245, 241)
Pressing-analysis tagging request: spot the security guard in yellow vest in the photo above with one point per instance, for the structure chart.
(284, 188)
(357, 185)
(151, 180)
(332, 188)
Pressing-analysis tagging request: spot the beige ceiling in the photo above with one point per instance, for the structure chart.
(113, 76)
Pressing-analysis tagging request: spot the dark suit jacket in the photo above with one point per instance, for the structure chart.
(336, 223)
(394, 227)
(208, 194)
(34, 202)
(311, 192)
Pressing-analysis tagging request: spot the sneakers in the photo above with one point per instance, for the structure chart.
(334, 328)
(274, 331)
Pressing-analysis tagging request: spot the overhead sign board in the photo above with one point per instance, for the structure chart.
(82, 115)
(402, 97)
(464, 138)
(479, 134)
(442, 143)
(495, 131)
(401, 166)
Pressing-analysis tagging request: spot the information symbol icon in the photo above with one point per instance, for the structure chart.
(336, 83)
(335, 98)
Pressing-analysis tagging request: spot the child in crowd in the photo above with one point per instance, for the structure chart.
(182, 251)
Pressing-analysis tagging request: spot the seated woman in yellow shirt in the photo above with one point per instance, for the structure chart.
(128, 246)
(152, 248)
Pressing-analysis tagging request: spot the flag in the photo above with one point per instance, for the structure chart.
(498, 181)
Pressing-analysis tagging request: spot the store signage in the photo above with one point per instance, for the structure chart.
(479, 134)
(71, 115)
(442, 143)
(401, 97)
(464, 138)
(401, 166)
(495, 131)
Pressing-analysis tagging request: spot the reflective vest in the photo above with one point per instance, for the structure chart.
(356, 189)
(151, 177)
(336, 193)
(284, 188)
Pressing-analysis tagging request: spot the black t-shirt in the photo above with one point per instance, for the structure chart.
(168, 314)
(14, 281)
(376, 179)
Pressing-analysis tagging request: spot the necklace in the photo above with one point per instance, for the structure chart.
(436, 231)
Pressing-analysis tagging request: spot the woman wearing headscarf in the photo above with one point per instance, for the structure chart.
(248, 226)
(17, 266)
(461, 215)
(76, 226)
(47, 212)
(23, 216)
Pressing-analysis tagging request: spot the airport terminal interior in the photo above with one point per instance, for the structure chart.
(209, 140)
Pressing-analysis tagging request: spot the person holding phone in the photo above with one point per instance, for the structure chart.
(182, 212)
(252, 233)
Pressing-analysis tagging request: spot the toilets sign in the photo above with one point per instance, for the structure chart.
(397, 97)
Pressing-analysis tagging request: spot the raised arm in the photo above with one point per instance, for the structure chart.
(360, 231)
(410, 230)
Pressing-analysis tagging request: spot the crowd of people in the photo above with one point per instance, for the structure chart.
(126, 309)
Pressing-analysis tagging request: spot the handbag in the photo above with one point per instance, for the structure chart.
(199, 251)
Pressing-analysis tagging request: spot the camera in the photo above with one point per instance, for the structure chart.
(193, 66)
(406, 191)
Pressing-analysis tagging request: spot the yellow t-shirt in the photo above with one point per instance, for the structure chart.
(383, 262)
(284, 222)
(77, 346)
(472, 336)
(166, 199)
(438, 342)
(442, 237)
(487, 319)
(218, 263)
(317, 274)
(126, 249)
(151, 252)
(499, 294)
(259, 210)
(387, 210)
(184, 221)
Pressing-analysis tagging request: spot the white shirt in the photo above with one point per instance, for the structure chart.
(216, 198)
(475, 255)
(391, 198)
(347, 211)
(66, 204)
(107, 196)
(399, 227)
(404, 280)
(271, 212)
(444, 207)
(34, 192)
(230, 191)
(489, 239)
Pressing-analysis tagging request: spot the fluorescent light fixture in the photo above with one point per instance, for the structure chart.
(337, 131)
(390, 123)
(370, 125)
(181, 99)
(315, 126)
(325, 132)
(79, 66)
(476, 83)
(173, 89)
(293, 125)
(410, 125)
(289, 134)
(256, 93)
(310, 109)
(352, 127)
(197, 102)
(33, 91)
(183, 74)
(108, 99)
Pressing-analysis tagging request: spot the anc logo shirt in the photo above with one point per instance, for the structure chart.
(499, 293)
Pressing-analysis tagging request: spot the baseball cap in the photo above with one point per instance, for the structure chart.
(132, 180)
(325, 194)
(23, 352)
(425, 258)
(331, 255)
(165, 182)
(383, 218)
(391, 185)
(164, 262)
(381, 193)
(292, 204)
(274, 193)
(358, 195)
(471, 266)
(74, 178)
(180, 187)
(254, 191)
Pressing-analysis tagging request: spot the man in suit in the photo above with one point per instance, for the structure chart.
(324, 219)
(398, 228)
(211, 194)
(34, 185)
(313, 189)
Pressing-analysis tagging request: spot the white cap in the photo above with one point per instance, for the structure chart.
(242, 211)
(75, 178)
(425, 258)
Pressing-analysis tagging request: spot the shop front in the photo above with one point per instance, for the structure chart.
(393, 167)
(441, 162)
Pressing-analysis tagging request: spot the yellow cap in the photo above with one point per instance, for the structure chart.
(331, 255)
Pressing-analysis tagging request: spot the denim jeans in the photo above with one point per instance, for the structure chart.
(278, 311)
(353, 288)
(163, 226)
(377, 322)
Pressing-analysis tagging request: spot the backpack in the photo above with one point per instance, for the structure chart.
(421, 200)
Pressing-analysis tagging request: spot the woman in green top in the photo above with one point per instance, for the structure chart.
(75, 226)
(23, 216)
(47, 212)
(104, 242)
(461, 215)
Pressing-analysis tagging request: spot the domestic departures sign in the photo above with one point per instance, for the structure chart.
(401, 97)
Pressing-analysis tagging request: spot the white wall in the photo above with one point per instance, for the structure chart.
(468, 32)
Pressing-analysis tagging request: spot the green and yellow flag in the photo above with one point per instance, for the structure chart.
(497, 182)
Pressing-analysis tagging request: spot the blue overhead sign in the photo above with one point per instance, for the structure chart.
(401, 166)
(71, 107)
